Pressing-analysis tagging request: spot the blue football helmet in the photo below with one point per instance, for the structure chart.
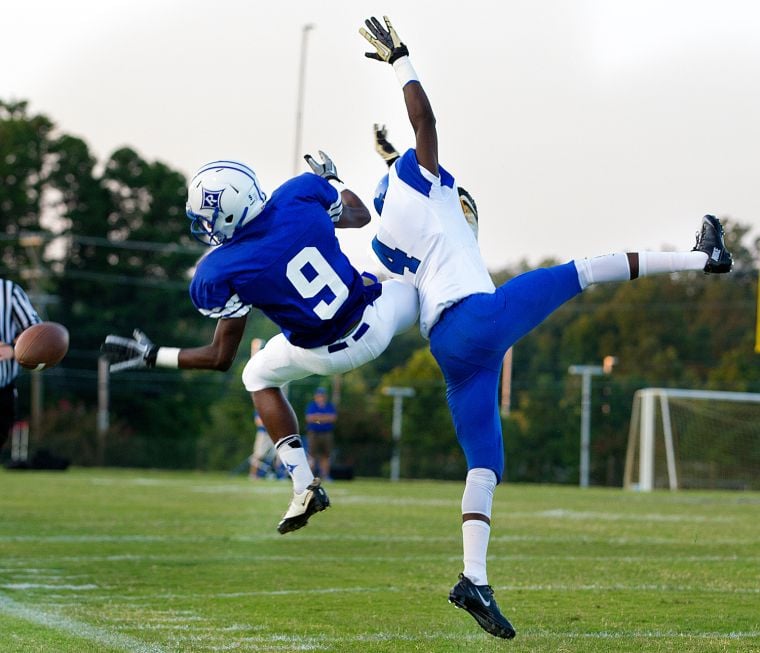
(222, 196)
(380, 191)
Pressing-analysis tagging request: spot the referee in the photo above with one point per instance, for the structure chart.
(16, 314)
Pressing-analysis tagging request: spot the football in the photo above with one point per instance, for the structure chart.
(41, 345)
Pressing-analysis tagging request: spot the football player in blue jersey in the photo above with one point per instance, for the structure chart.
(280, 255)
(423, 237)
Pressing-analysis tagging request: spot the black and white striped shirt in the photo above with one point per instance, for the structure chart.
(16, 314)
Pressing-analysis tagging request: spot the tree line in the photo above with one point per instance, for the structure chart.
(104, 247)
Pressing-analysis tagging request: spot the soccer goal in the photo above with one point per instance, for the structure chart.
(693, 439)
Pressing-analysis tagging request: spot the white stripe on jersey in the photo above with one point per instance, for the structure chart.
(336, 209)
(434, 231)
(233, 308)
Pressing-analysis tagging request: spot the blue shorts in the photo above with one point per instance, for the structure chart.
(469, 342)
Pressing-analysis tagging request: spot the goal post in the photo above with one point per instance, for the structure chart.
(693, 439)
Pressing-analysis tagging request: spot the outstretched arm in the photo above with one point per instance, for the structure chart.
(139, 352)
(423, 123)
(390, 49)
(220, 354)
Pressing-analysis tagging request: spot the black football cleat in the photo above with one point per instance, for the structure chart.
(302, 506)
(479, 602)
(710, 241)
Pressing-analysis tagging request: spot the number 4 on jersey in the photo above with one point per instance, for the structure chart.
(395, 260)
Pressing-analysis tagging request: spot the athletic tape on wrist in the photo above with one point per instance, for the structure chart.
(167, 357)
(338, 185)
(405, 72)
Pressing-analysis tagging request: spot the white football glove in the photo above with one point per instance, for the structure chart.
(129, 353)
(326, 169)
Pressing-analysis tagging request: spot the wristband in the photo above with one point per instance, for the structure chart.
(167, 357)
(405, 72)
(338, 185)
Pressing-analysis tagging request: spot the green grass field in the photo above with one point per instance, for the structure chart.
(110, 560)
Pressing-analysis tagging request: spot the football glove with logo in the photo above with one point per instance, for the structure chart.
(384, 39)
(129, 353)
(326, 169)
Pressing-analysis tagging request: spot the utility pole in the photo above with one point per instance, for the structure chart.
(300, 97)
(398, 395)
(103, 400)
(33, 243)
(506, 383)
(586, 372)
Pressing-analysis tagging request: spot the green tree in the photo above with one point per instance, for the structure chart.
(24, 142)
(429, 448)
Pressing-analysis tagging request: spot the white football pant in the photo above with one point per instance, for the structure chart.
(280, 362)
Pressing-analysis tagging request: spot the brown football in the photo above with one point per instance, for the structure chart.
(41, 345)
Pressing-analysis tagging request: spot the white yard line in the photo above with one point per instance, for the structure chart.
(561, 513)
(549, 587)
(319, 642)
(395, 538)
(76, 628)
(647, 634)
(49, 586)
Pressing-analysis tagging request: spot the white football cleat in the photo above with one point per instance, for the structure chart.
(304, 505)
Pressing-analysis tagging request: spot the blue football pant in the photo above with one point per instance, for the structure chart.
(469, 342)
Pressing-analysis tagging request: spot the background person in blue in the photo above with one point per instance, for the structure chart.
(423, 237)
(280, 255)
(320, 431)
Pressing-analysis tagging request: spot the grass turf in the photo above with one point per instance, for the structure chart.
(145, 561)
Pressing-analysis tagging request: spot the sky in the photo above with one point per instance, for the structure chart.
(581, 127)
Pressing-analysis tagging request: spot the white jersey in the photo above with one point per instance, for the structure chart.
(423, 238)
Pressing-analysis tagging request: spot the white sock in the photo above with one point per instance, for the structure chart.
(477, 498)
(664, 262)
(475, 536)
(293, 456)
(615, 267)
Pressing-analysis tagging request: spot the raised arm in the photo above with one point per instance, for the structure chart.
(390, 49)
(355, 214)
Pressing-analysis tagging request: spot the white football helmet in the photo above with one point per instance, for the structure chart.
(222, 196)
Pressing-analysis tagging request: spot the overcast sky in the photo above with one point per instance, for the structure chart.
(580, 126)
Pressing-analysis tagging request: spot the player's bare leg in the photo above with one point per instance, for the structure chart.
(282, 425)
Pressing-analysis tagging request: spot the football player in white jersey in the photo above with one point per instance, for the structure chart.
(423, 237)
(280, 254)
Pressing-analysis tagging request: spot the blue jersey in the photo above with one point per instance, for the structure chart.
(287, 262)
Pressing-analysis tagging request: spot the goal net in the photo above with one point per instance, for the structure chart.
(693, 439)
